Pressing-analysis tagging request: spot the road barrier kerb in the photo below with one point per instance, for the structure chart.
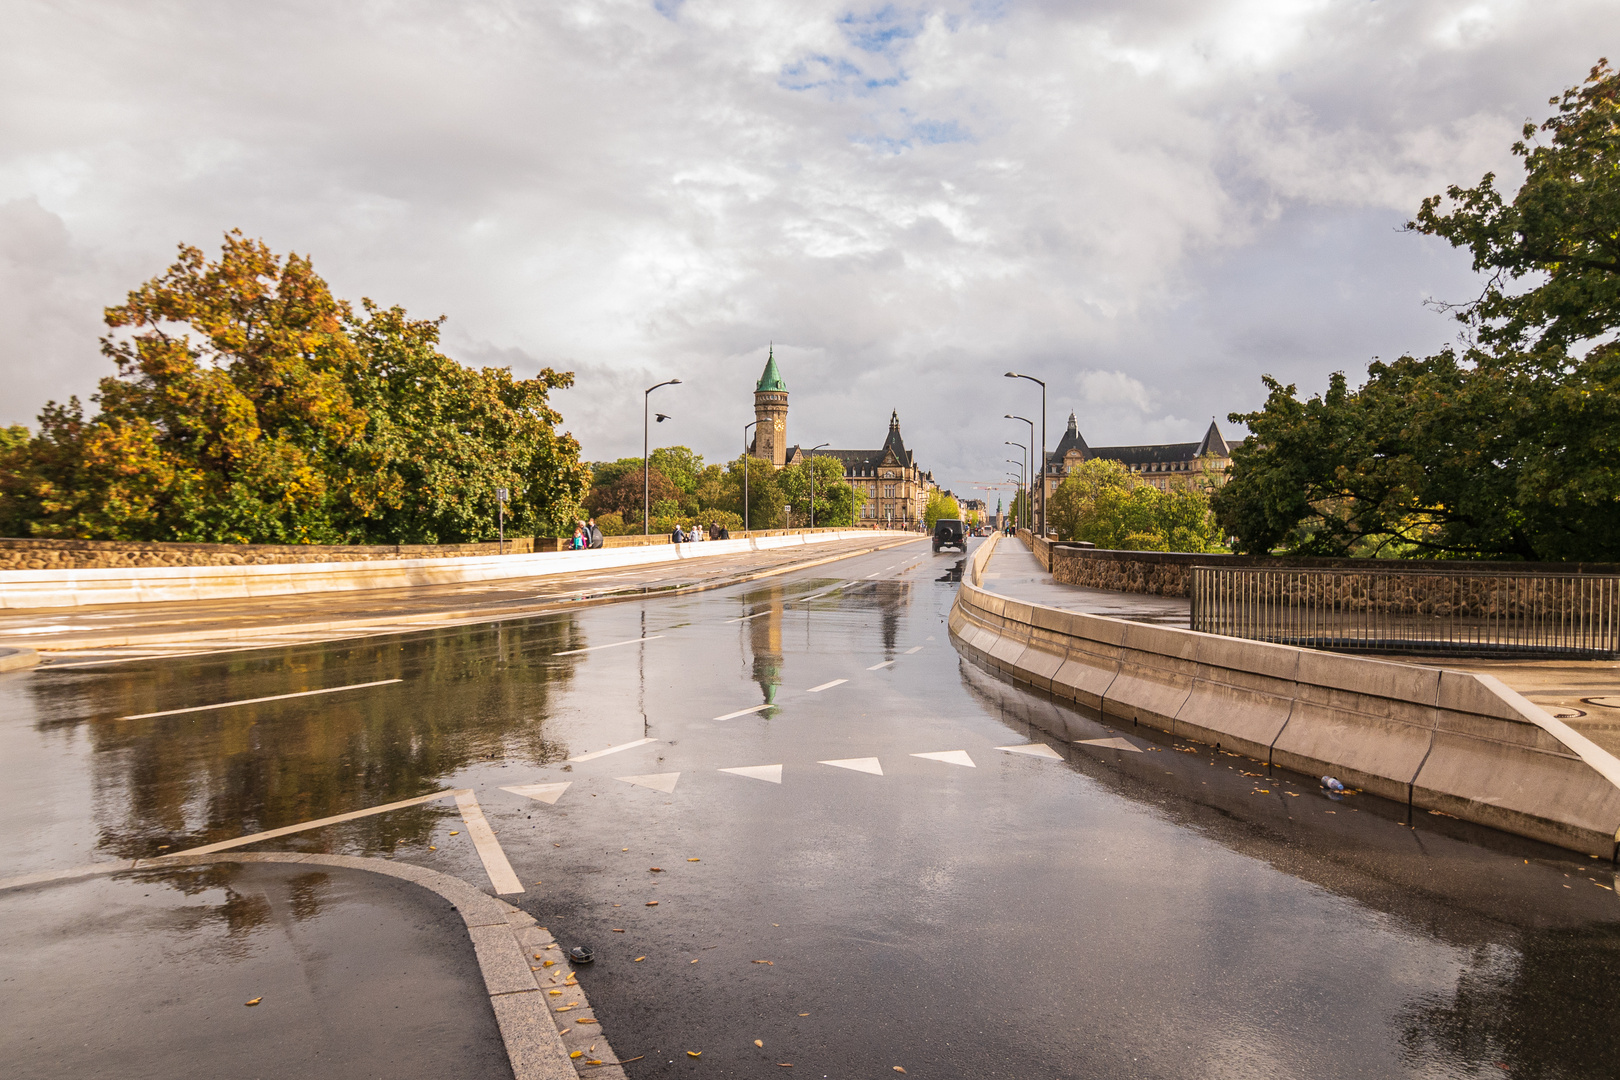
(131, 585)
(502, 939)
(1451, 741)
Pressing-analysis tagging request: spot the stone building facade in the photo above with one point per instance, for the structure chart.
(893, 487)
(1164, 465)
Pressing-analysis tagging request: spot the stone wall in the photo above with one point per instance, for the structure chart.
(19, 554)
(1170, 573)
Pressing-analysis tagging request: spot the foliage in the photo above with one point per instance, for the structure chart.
(1509, 449)
(627, 494)
(765, 498)
(836, 503)
(680, 464)
(1105, 503)
(251, 405)
(939, 506)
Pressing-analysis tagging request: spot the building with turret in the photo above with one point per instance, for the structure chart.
(1164, 465)
(894, 488)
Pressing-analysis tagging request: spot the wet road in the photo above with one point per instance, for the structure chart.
(908, 864)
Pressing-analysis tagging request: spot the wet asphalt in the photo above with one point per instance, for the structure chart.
(1141, 907)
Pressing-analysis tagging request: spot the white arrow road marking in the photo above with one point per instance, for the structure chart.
(949, 757)
(769, 773)
(256, 700)
(611, 750)
(488, 848)
(826, 686)
(744, 712)
(859, 764)
(885, 664)
(1115, 743)
(614, 645)
(546, 793)
(1034, 749)
(664, 782)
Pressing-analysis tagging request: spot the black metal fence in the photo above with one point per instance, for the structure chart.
(1453, 611)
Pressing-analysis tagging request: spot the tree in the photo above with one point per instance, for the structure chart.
(1106, 504)
(940, 505)
(680, 464)
(836, 502)
(251, 405)
(765, 499)
(626, 496)
(1509, 448)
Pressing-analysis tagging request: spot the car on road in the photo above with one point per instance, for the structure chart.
(950, 532)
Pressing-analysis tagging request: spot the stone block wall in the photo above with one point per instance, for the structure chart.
(25, 554)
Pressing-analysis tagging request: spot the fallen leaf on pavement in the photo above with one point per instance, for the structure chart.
(554, 992)
(456, 833)
(655, 869)
(771, 962)
(577, 1053)
(694, 1053)
(652, 903)
(804, 1014)
(586, 1020)
(694, 860)
(255, 1001)
(898, 1069)
(638, 959)
(548, 963)
(618, 930)
(759, 1044)
(694, 961)
(565, 1008)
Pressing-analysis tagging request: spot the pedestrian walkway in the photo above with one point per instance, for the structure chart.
(1014, 571)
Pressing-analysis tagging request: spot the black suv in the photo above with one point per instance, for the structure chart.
(950, 532)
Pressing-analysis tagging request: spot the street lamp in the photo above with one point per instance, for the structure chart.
(646, 519)
(1020, 480)
(1041, 469)
(1023, 466)
(811, 457)
(1031, 423)
(745, 457)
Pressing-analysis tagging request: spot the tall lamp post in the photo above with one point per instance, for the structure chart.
(746, 456)
(1021, 485)
(811, 458)
(1023, 465)
(646, 486)
(1031, 423)
(1038, 473)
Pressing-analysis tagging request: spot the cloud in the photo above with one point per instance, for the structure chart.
(1155, 201)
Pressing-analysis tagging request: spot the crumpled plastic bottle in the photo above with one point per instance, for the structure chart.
(1332, 783)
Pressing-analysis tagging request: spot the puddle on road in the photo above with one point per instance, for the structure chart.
(954, 573)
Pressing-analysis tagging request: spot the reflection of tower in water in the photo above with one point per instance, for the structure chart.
(765, 641)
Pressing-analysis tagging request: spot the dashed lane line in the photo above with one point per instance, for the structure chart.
(914, 649)
(614, 645)
(745, 618)
(288, 830)
(826, 686)
(745, 712)
(256, 700)
(605, 751)
(885, 664)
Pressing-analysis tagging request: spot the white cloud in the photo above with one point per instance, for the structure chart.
(1154, 201)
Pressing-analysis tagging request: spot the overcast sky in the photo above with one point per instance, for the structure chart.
(1148, 204)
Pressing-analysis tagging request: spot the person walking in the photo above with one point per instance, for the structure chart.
(579, 537)
(593, 535)
(678, 537)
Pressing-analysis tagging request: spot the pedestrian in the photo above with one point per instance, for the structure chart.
(714, 531)
(593, 535)
(579, 537)
(725, 533)
(678, 536)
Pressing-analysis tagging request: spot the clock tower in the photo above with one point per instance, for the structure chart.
(770, 409)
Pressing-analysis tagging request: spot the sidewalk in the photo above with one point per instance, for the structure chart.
(1585, 694)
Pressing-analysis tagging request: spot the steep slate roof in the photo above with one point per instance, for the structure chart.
(771, 378)
(866, 462)
(1212, 443)
(1072, 440)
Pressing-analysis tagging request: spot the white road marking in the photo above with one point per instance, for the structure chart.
(745, 618)
(256, 700)
(615, 645)
(288, 830)
(914, 649)
(546, 793)
(826, 686)
(1034, 749)
(745, 712)
(488, 848)
(1115, 743)
(885, 664)
(769, 773)
(604, 752)
(859, 764)
(664, 782)
(949, 757)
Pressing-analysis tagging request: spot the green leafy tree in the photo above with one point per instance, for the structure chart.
(940, 505)
(680, 464)
(1104, 503)
(251, 405)
(1509, 449)
(836, 503)
(765, 498)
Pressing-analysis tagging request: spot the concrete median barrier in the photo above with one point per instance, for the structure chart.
(1452, 742)
(22, 589)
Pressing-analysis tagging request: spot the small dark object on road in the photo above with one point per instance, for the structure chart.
(581, 954)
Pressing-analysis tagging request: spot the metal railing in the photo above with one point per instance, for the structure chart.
(1451, 610)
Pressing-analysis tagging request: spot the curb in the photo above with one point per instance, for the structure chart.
(15, 659)
(503, 939)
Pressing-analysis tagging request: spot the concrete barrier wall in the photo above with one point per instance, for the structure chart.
(1456, 742)
(86, 588)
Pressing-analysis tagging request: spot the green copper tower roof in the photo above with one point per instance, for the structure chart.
(772, 378)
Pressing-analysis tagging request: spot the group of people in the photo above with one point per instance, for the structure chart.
(587, 535)
(715, 532)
